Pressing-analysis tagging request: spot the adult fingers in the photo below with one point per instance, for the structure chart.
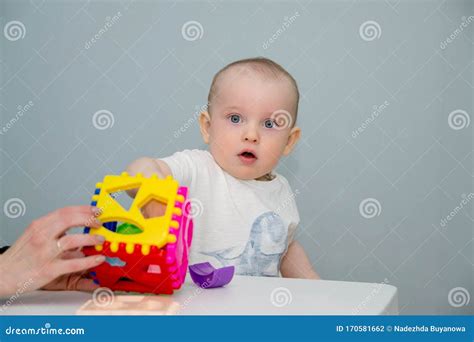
(71, 241)
(78, 264)
(71, 282)
(77, 253)
(64, 218)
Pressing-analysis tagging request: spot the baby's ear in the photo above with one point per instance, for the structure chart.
(293, 138)
(204, 123)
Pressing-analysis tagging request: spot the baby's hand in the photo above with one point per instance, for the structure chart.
(147, 167)
(154, 209)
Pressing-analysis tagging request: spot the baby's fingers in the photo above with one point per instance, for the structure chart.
(77, 283)
(154, 209)
(85, 284)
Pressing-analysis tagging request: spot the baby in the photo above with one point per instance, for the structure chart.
(244, 213)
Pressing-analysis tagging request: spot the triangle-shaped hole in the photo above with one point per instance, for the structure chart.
(122, 198)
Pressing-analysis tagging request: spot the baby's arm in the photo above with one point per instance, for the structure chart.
(148, 166)
(295, 263)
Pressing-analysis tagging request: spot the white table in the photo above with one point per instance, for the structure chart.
(243, 296)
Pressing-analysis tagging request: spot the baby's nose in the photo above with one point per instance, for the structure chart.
(251, 134)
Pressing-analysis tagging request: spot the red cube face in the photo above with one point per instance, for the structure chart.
(161, 271)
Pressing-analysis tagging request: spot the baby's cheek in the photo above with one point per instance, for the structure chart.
(275, 149)
(216, 135)
(223, 142)
(223, 133)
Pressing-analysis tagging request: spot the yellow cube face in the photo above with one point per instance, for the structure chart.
(155, 231)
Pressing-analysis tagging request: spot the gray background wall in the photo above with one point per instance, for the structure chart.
(413, 160)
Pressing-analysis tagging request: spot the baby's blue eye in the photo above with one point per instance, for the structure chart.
(269, 123)
(234, 118)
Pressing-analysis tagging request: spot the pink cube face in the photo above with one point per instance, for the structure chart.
(177, 253)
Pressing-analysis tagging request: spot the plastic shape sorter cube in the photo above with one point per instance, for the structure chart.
(150, 255)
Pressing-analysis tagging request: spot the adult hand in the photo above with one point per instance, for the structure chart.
(45, 256)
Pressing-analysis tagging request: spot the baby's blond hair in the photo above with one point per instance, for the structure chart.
(262, 65)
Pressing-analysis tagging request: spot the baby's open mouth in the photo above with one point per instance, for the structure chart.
(248, 155)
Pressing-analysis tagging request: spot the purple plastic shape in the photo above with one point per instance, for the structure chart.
(206, 276)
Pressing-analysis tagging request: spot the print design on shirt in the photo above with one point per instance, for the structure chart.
(263, 251)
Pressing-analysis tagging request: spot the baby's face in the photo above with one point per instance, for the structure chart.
(250, 125)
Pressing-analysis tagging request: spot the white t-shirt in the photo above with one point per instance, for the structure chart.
(245, 223)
